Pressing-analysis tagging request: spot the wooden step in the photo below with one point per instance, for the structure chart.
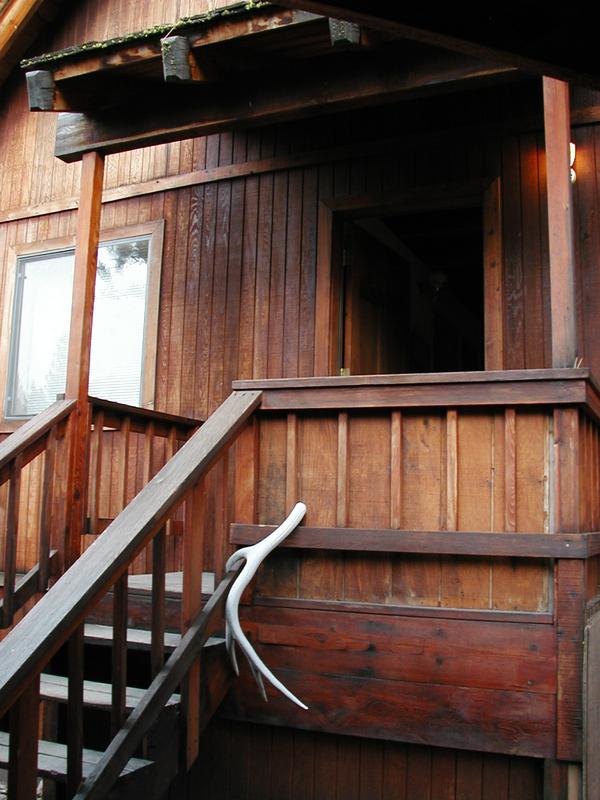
(52, 759)
(95, 694)
(137, 638)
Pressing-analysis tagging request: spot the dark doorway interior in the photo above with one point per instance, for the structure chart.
(413, 293)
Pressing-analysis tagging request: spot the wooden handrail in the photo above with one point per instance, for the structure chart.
(31, 432)
(111, 408)
(26, 649)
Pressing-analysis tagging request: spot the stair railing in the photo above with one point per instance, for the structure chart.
(41, 437)
(59, 616)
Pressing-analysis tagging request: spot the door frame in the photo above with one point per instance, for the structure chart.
(331, 216)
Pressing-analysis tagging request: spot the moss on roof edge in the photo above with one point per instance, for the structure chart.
(157, 31)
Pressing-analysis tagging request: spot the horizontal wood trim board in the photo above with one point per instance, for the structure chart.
(476, 653)
(464, 543)
(446, 395)
(426, 612)
(519, 723)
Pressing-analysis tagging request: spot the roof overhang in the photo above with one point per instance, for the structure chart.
(246, 65)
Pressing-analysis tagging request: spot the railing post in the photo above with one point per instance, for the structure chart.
(80, 339)
(193, 551)
(23, 757)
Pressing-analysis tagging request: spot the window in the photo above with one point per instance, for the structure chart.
(124, 330)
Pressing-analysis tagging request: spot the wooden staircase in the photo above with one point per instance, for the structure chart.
(155, 731)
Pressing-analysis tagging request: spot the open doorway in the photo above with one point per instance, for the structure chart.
(412, 292)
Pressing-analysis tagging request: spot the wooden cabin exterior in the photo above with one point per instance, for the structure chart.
(374, 242)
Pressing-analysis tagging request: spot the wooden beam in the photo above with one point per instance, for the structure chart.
(392, 20)
(560, 223)
(266, 99)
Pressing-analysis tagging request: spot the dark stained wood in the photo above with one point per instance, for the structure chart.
(560, 222)
(516, 545)
(62, 610)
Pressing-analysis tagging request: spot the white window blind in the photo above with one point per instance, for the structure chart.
(42, 311)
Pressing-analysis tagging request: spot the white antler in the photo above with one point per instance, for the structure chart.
(254, 556)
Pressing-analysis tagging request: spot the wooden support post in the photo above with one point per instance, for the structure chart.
(560, 223)
(80, 340)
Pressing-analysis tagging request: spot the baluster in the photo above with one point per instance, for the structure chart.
(46, 511)
(193, 552)
(75, 711)
(23, 753)
(142, 562)
(171, 448)
(119, 654)
(124, 458)
(96, 471)
(158, 601)
(10, 542)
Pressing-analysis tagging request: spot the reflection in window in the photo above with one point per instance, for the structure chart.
(38, 359)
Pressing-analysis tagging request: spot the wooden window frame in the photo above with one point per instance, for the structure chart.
(333, 211)
(155, 231)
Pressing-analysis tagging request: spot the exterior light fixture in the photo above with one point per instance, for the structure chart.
(572, 154)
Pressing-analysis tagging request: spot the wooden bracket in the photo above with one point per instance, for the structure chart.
(343, 33)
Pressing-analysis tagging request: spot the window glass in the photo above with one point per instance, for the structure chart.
(38, 359)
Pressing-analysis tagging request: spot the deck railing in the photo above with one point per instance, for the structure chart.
(59, 616)
(37, 443)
